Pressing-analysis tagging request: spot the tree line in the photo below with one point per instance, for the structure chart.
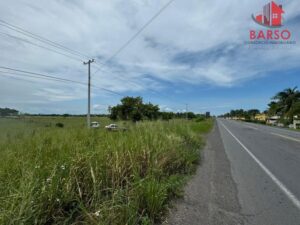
(241, 113)
(8, 112)
(133, 108)
(285, 104)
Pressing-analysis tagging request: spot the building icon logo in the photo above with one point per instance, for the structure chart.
(271, 16)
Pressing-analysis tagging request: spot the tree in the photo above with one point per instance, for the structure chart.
(273, 108)
(150, 111)
(285, 101)
(133, 108)
(167, 115)
(251, 113)
(8, 112)
(191, 115)
(295, 109)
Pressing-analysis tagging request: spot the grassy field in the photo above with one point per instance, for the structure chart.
(71, 175)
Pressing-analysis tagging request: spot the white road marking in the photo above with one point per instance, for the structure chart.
(283, 136)
(284, 189)
(250, 127)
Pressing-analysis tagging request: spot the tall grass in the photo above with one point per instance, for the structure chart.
(72, 175)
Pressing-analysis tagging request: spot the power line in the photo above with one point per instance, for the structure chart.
(52, 43)
(32, 76)
(40, 46)
(40, 38)
(44, 76)
(137, 33)
(49, 49)
(40, 74)
(131, 39)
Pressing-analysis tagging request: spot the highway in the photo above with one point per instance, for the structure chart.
(265, 166)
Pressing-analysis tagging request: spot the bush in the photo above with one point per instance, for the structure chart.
(61, 125)
(200, 119)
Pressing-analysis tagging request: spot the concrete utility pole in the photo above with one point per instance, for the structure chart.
(89, 92)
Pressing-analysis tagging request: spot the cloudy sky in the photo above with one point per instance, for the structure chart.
(193, 53)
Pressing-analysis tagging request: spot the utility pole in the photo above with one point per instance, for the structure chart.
(186, 111)
(89, 92)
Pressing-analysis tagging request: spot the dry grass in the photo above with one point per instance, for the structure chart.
(71, 175)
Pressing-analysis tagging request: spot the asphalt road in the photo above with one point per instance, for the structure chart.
(250, 174)
(265, 165)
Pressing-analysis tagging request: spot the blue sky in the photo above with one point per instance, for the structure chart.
(193, 53)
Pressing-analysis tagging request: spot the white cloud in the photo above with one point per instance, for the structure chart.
(212, 32)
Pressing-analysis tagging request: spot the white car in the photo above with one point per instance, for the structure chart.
(111, 127)
(95, 124)
(114, 127)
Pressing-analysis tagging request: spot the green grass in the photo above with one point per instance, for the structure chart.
(71, 175)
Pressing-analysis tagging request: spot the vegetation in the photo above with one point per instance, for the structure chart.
(240, 113)
(135, 109)
(71, 175)
(285, 104)
(8, 112)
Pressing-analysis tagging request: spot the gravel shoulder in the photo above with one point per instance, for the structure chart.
(210, 197)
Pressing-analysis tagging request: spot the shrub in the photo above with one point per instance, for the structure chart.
(61, 125)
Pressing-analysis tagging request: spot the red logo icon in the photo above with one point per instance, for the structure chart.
(271, 15)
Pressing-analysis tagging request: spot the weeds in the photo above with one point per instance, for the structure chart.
(79, 176)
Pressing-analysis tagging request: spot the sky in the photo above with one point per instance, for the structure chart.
(193, 53)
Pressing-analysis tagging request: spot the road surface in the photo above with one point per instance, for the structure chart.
(250, 175)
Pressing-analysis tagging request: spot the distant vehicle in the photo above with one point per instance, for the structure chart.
(114, 127)
(95, 124)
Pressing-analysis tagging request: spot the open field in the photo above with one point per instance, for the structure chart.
(71, 175)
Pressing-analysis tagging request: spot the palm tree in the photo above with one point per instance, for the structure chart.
(285, 101)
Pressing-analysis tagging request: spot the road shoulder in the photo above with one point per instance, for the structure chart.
(211, 195)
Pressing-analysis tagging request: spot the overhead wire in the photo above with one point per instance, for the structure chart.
(54, 78)
(119, 50)
(37, 45)
(40, 38)
(71, 51)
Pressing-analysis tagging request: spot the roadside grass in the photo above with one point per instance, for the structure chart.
(71, 175)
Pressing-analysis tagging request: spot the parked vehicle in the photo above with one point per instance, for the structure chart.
(95, 124)
(114, 127)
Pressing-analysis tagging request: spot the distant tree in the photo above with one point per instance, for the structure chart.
(150, 111)
(167, 115)
(133, 108)
(114, 112)
(251, 113)
(285, 102)
(191, 115)
(273, 108)
(8, 112)
(295, 109)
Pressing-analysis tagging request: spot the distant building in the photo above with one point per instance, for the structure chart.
(260, 117)
(238, 118)
(207, 114)
(273, 120)
(296, 122)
